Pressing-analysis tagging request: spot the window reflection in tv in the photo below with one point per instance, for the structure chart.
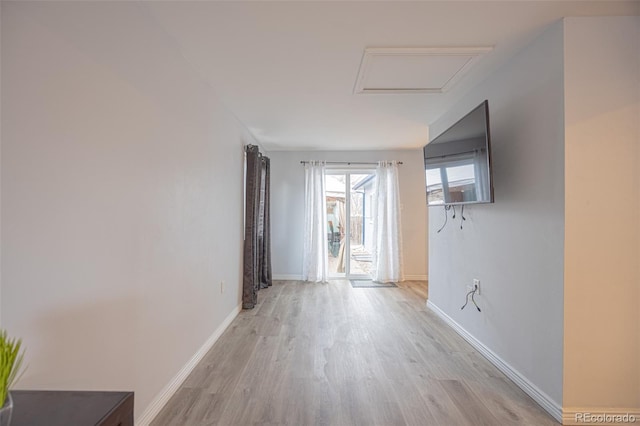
(458, 162)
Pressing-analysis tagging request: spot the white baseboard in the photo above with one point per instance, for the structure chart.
(603, 416)
(174, 384)
(545, 401)
(416, 277)
(287, 277)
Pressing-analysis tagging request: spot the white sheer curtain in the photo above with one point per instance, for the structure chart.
(387, 236)
(315, 257)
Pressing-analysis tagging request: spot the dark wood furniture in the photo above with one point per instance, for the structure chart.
(71, 408)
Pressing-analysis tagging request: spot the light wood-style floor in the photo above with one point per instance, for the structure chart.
(329, 354)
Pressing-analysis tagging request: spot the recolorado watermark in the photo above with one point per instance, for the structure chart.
(596, 418)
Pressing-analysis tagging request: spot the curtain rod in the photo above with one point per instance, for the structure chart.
(349, 162)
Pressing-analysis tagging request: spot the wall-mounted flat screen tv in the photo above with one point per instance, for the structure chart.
(458, 162)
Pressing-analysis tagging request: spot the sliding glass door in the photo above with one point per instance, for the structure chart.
(349, 222)
(335, 191)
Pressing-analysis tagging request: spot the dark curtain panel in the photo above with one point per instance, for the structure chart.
(252, 204)
(257, 235)
(265, 276)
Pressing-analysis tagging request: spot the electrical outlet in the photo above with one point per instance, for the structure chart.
(476, 285)
(221, 286)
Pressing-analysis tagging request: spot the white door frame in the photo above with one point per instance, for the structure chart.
(347, 172)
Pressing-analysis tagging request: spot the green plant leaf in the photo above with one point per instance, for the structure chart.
(11, 357)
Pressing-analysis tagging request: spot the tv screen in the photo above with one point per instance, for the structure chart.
(458, 162)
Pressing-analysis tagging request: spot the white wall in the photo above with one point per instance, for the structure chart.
(602, 248)
(287, 206)
(0, 166)
(121, 199)
(515, 246)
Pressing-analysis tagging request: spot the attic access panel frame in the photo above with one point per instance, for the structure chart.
(469, 56)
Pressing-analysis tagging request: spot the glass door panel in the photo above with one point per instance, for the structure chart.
(336, 194)
(361, 224)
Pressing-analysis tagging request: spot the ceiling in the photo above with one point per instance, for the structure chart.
(288, 70)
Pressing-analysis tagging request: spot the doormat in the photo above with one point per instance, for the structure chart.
(369, 284)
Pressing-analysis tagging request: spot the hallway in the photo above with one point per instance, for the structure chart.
(329, 354)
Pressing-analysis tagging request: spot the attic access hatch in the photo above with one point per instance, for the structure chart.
(414, 69)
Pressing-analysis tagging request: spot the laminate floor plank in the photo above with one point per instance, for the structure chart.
(468, 404)
(415, 409)
(439, 403)
(329, 354)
